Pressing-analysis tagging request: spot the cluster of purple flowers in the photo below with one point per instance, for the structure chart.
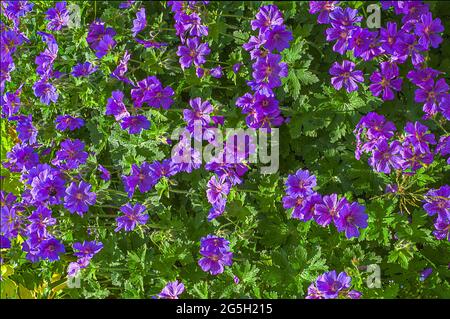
(189, 28)
(407, 152)
(216, 254)
(418, 33)
(147, 175)
(10, 39)
(101, 38)
(172, 290)
(58, 17)
(437, 202)
(149, 91)
(42, 88)
(261, 107)
(40, 243)
(307, 204)
(229, 166)
(14, 10)
(84, 252)
(45, 186)
(332, 286)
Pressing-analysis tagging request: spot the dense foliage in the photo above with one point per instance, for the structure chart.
(93, 204)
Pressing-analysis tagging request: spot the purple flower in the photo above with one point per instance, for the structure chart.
(73, 269)
(22, 157)
(386, 81)
(133, 215)
(160, 97)
(437, 201)
(413, 158)
(126, 4)
(193, 24)
(277, 38)
(444, 106)
(79, 197)
(193, 52)
(140, 22)
(51, 248)
(442, 229)
(360, 41)
(142, 177)
(45, 91)
(67, 122)
(87, 249)
(83, 69)
(420, 76)
(10, 221)
(185, 156)
(344, 17)
(5, 243)
(27, 133)
(40, 219)
(11, 103)
(416, 134)
(116, 107)
(135, 124)
(267, 17)
(350, 218)
(151, 91)
(305, 211)
(443, 147)
(217, 189)
(424, 274)
(300, 184)
(431, 93)
(386, 156)
(237, 67)
(329, 209)
(407, 45)
(211, 242)
(216, 254)
(7, 199)
(122, 68)
(345, 76)
(427, 29)
(104, 46)
(268, 71)
(330, 284)
(71, 154)
(105, 175)
(342, 22)
(48, 187)
(15, 9)
(215, 261)
(297, 203)
(166, 168)
(58, 16)
(323, 8)
(97, 31)
(216, 72)
(172, 290)
(200, 112)
(388, 37)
